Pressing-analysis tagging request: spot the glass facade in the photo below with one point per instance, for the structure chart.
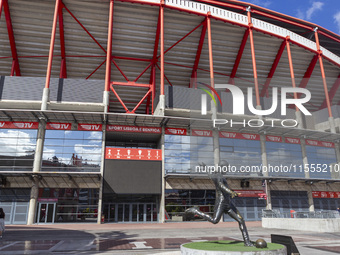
(70, 205)
(76, 151)
(285, 201)
(17, 148)
(177, 201)
(183, 153)
(241, 154)
(322, 156)
(281, 156)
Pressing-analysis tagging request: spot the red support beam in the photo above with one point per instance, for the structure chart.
(185, 36)
(63, 70)
(141, 101)
(1, 4)
(162, 45)
(141, 74)
(257, 94)
(15, 63)
(164, 76)
(94, 39)
(273, 69)
(309, 72)
(238, 57)
(198, 54)
(291, 69)
(211, 61)
(131, 83)
(109, 49)
(95, 70)
(75, 18)
(328, 103)
(50, 55)
(331, 93)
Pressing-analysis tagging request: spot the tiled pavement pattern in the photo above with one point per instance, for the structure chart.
(146, 238)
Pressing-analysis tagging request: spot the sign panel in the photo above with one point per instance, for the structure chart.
(274, 138)
(58, 126)
(133, 154)
(89, 127)
(319, 143)
(133, 129)
(326, 194)
(250, 193)
(175, 131)
(292, 140)
(19, 125)
(197, 132)
(235, 135)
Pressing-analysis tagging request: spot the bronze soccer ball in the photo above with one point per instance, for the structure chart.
(260, 243)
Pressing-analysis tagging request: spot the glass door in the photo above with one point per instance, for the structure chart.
(46, 213)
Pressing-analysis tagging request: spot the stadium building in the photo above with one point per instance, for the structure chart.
(104, 110)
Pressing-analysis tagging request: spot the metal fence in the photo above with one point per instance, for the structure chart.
(300, 214)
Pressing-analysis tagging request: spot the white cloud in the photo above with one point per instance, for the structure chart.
(316, 6)
(260, 2)
(337, 20)
(300, 14)
(16, 143)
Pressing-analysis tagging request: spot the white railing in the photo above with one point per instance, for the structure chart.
(243, 20)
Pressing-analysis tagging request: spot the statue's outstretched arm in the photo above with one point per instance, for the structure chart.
(226, 189)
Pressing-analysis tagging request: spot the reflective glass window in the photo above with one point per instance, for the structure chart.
(284, 160)
(243, 155)
(77, 151)
(323, 157)
(17, 148)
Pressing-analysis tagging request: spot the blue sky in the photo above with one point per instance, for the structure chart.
(325, 13)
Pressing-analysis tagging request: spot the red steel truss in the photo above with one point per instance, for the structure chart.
(332, 92)
(193, 82)
(273, 69)
(15, 62)
(239, 57)
(109, 59)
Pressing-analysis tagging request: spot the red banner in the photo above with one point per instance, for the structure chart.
(196, 132)
(19, 125)
(133, 154)
(326, 194)
(59, 126)
(133, 129)
(250, 193)
(274, 138)
(89, 127)
(235, 135)
(292, 140)
(175, 131)
(319, 143)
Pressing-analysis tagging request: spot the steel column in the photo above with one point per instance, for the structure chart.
(15, 63)
(109, 49)
(257, 94)
(273, 69)
(238, 57)
(328, 103)
(309, 72)
(63, 72)
(211, 61)
(291, 69)
(198, 54)
(162, 45)
(331, 92)
(1, 4)
(50, 55)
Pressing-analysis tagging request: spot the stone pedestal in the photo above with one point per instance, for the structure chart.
(230, 249)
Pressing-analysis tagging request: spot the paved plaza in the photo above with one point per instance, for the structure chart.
(146, 238)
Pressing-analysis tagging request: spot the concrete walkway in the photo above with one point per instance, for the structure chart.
(162, 239)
